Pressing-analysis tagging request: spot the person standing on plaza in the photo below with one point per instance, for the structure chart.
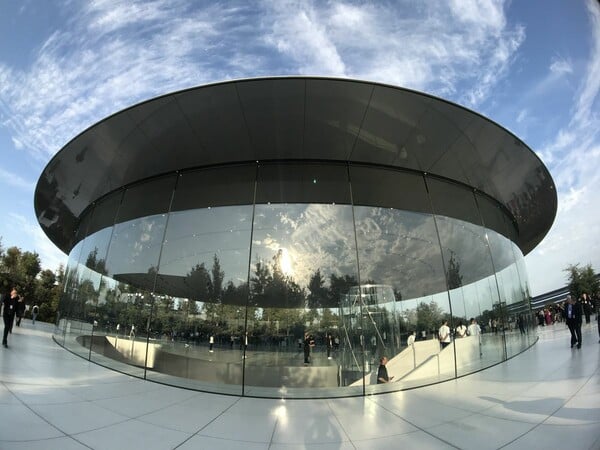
(20, 310)
(309, 342)
(9, 307)
(329, 343)
(573, 316)
(587, 307)
(34, 312)
(444, 334)
(475, 330)
(382, 373)
(411, 338)
(461, 330)
(211, 343)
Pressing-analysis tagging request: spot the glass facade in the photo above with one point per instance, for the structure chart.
(294, 279)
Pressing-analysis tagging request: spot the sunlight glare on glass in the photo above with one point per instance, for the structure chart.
(286, 262)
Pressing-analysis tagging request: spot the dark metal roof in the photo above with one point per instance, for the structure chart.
(295, 118)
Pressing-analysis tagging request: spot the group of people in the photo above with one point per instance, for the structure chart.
(460, 331)
(13, 306)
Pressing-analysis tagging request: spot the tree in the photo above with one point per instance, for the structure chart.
(47, 294)
(429, 316)
(453, 275)
(20, 269)
(582, 280)
(318, 292)
(339, 286)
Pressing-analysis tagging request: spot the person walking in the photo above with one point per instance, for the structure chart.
(9, 307)
(309, 343)
(573, 316)
(444, 334)
(20, 310)
(34, 313)
(329, 343)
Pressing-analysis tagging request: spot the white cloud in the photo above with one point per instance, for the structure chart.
(112, 54)
(12, 179)
(573, 158)
(561, 66)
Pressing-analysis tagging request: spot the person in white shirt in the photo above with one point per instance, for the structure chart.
(475, 330)
(411, 339)
(444, 334)
(461, 330)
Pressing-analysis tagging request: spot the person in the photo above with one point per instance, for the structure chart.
(244, 344)
(329, 345)
(411, 338)
(461, 330)
(309, 342)
(521, 323)
(9, 307)
(587, 307)
(573, 316)
(211, 342)
(34, 313)
(475, 330)
(20, 310)
(444, 334)
(132, 332)
(598, 316)
(382, 373)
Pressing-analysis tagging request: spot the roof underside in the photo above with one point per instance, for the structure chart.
(299, 119)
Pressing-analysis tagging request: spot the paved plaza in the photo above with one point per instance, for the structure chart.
(547, 397)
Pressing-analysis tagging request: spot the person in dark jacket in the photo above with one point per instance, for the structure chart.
(9, 307)
(20, 310)
(573, 317)
(382, 373)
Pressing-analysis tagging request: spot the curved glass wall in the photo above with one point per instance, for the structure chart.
(294, 280)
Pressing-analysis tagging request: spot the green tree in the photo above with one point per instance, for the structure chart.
(453, 274)
(339, 286)
(429, 316)
(317, 298)
(47, 294)
(582, 280)
(20, 269)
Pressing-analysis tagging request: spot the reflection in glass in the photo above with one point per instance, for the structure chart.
(295, 298)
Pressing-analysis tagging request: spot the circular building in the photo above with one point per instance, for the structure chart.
(276, 237)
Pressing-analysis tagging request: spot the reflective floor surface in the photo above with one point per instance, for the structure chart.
(547, 397)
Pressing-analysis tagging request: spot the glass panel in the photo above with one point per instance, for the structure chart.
(400, 261)
(66, 306)
(519, 311)
(202, 292)
(131, 267)
(303, 270)
(468, 264)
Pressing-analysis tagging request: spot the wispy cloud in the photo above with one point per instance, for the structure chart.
(110, 54)
(15, 180)
(560, 67)
(574, 157)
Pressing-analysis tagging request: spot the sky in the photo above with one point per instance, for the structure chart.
(531, 66)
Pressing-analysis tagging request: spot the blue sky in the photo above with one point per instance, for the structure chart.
(532, 66)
